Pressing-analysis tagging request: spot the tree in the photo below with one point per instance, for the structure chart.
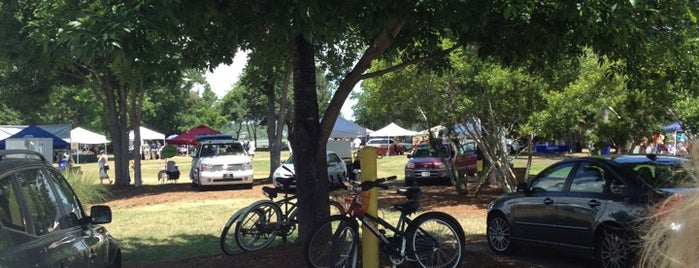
(120, 51)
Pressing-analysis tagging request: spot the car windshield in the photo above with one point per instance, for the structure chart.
(289, 160)
(427, 151)
(223, 149)
(663, 174)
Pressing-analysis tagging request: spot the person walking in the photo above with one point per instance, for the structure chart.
(103, 167)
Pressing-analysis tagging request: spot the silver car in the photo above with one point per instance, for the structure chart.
(337, 170)
(220, 160)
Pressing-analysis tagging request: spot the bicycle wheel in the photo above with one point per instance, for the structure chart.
(435, 239)
(333, 243)
(291, 231)
(258, 226)
(336, 208)
(228, 242)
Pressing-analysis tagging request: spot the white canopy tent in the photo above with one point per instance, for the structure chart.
(83, 136)
(392, 130)
(148, 134)
(347, 129)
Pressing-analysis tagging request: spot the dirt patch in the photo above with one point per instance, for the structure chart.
(434, 198)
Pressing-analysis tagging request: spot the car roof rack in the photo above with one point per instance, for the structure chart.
(26, 154)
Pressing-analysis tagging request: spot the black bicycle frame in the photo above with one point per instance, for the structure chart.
(373, 222)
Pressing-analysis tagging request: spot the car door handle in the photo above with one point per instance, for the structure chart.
(548, 201)
(594, 203)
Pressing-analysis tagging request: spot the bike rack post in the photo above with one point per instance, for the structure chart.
(370, 243)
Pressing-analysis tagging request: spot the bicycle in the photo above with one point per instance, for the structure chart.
(257, 225)
(432, 239)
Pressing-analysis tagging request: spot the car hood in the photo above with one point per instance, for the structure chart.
(225, 159)
(281, 172)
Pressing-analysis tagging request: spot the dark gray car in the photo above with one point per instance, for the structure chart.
(590, 205)
(42, 222)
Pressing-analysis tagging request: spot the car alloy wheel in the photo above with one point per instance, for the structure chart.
(612, 250)
(499, 234)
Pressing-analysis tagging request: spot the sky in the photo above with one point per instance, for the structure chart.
(224, 77)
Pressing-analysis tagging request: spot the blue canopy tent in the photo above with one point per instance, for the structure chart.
(674, 127)
(37, 132)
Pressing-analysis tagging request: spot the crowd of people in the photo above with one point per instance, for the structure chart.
(678, 145)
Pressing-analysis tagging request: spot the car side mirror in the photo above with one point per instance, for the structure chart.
(409, 156)
(523, 187)
(101, 214)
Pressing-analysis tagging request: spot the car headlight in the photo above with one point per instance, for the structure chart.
(442, 165)
(247, 166)
(206, 167)
(410, 165)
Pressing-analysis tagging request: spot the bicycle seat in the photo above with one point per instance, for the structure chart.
(269, 191)
(411, 193)
(407, 207)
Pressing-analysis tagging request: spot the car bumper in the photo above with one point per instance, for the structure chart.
(226, 178)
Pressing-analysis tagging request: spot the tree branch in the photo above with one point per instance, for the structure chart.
(410, 62)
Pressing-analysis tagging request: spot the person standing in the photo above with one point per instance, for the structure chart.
(251, 149)
(103, 167)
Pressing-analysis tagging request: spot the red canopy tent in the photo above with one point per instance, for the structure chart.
(189, 137)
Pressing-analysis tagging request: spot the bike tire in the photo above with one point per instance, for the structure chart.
(333, 243)
(258, 225)
(228, 242)
(336, 208)
(291, 233)
(435, 239)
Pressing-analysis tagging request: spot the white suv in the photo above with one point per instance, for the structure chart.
(220, 160)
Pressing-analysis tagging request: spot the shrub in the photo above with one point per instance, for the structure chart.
(86, 189)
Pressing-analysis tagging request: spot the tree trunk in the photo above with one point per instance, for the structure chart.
(276, 120)
(309, 152)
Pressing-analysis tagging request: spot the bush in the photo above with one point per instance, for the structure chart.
(86, 189)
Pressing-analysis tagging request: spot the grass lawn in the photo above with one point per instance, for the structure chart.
(168, 231)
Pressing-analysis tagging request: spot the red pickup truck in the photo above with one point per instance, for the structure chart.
(427, 165)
